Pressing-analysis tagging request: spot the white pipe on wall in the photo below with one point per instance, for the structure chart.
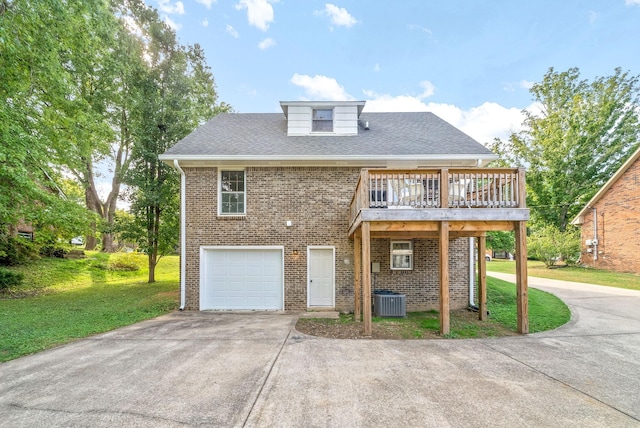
(472, 273)
(595, 234)
(183, 229)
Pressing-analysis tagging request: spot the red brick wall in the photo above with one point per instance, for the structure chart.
(618, 214)
(317, 201)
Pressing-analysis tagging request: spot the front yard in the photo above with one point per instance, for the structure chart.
(574, 274)
(63, 300)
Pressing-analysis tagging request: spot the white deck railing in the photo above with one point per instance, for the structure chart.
(463, 188)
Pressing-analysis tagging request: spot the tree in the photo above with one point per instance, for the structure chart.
(501, 241)
(104, 68)
(177, 95)
(35, 101)
(580, 136)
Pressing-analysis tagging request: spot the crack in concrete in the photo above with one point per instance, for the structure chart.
(96, 412)
(266, 378)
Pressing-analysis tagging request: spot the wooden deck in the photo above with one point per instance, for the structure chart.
(440, 204)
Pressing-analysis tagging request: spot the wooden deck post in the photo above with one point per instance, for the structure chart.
(521, 278)
(366, 278)
(443, 254)
(357, 276)
(482, 278)
(444, 188)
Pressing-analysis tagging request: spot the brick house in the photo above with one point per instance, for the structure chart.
(273, 204)
(610, 222)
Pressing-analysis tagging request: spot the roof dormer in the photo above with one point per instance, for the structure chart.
(322, 117)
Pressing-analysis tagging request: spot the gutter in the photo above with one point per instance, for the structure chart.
(183, 230)
(472, 274)
(595, 235)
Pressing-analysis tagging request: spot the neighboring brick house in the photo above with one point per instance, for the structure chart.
(613, 241)
(266, 202)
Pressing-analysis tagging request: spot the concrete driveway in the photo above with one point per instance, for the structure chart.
(215, 369)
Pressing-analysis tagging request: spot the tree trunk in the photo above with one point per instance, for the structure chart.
(91, 242)
(152, 267)
(108, 245)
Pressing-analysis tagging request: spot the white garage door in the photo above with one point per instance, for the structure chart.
(241, 278)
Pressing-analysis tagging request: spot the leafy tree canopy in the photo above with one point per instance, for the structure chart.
(576, 137)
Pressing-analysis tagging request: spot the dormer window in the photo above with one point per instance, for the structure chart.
(322, 120)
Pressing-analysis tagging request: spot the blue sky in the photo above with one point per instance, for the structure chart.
(470, 62)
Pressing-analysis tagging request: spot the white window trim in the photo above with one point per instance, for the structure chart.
(408, 252)
(220, 213)
(333, 121)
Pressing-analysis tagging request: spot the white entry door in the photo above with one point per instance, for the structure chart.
(321, 269)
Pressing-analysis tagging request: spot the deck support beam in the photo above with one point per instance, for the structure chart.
(522, 281)
(357, 277)
(482, 278)
(443, 255)
(366, 278)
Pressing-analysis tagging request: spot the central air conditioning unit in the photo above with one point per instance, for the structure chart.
(389, 304)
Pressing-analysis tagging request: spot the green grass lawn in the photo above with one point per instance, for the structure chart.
(546, 312)
(62, 300)
(565, 273)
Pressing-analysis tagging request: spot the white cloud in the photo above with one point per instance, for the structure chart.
(523, 84)
(593, 16)
(266, 43)
(259, 12)
(174, 25)
(632, 2)
(207, 3)
(429, 89)
(232, 31)
(483, 123)
(167, 7)
(419, 28)
(339, 15)
(526, 84)
(321, 87)
(205, 22)
(376, 67)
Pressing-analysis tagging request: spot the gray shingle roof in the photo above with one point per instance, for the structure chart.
(264, 135)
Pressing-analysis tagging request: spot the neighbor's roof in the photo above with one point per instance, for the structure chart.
(263, 136)
(579, 219)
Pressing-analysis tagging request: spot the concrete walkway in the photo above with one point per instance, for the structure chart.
(216, 369)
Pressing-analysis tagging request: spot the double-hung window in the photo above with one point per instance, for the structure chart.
(232, 193)
(322, 120)
(401, 255)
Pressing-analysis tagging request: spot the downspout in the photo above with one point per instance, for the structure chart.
(595, 234)
(472, 274)
(183, 230)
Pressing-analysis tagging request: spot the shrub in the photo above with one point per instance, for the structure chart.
(124, 262)
(16, 250)
(549, 245)
(51, 250)
(9, 278)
